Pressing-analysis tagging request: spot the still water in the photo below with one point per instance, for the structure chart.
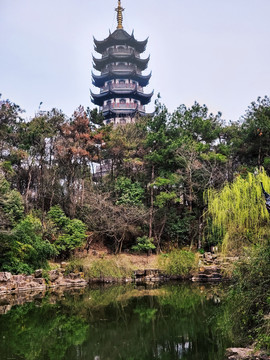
(168, 322)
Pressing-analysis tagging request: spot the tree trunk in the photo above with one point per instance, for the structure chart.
(151, 203)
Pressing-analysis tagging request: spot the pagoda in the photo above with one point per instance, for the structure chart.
(121, 81)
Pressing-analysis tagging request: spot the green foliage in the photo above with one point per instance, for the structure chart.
(178, 227)
(69, 234)
(10, 201)
(238, 212)
(177, 262)
(28, 251)
(144, 244)
(248, 302)
(57, 215)
(164, 198)
(128, 192)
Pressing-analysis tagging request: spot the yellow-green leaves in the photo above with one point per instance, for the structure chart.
(238, 211)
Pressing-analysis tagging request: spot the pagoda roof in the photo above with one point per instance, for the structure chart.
(120, 37)
(99, 64)
(99, 99)
(99, 80)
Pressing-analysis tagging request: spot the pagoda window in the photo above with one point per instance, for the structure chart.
(122, 82)
(122, 101)
(123, 121)
(109, 102)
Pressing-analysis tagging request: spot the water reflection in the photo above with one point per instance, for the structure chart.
(119, 322)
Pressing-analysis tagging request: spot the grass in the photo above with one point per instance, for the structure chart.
(178, 262)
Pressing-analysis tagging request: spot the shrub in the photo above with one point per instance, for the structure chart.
(144, 244)
(129, 193)
(27, 249)
(68, 234)
(250, 298)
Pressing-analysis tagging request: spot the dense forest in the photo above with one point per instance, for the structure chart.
(165, 181)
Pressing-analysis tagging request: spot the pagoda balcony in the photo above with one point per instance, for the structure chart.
(120, 52)
(121, 68)
(120, 87)
(118, 106)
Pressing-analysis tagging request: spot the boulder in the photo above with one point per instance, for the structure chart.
(53, 275)
(38, 273)
(139, 273)
(5, 276)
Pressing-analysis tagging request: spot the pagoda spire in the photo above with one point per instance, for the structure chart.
(119, 11)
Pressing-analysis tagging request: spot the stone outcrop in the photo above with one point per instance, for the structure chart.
(244, 354)
(210, 273)
(212, 268)
(55, 278)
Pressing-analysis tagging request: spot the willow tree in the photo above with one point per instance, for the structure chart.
(237, 213)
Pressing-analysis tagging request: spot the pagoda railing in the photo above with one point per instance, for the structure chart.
(120, 52)
(118, 106)
(121, 87)
(120, 68)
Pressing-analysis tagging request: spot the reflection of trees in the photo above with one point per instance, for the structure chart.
(118, 322)
(34, 333)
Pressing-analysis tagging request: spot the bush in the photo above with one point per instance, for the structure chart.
(27, 249)
(250, 298)
(144, 244)
(67, 234)
(177, 262)
(129, 193)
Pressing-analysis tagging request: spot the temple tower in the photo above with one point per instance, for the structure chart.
(121, 81)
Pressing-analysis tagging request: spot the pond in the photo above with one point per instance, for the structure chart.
(168, 322)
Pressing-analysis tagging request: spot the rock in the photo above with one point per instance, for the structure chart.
(245, 354)
(75, 276)
(39, 281)
(18, 278)
(5, 276)
(139, 273)
(38, 273)
(53, 275)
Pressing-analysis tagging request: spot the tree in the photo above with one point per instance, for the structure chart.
(237, 213)
(256, 133)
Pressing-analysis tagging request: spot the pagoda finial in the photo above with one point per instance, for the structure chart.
(119, 10)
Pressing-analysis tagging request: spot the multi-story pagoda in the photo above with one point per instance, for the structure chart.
(121, 81)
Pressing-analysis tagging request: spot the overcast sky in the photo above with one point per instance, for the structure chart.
(215, 52)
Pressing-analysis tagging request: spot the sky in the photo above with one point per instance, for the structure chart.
(215, 52)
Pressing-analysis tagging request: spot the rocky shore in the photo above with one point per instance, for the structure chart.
(10, 284)
(210, 270)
